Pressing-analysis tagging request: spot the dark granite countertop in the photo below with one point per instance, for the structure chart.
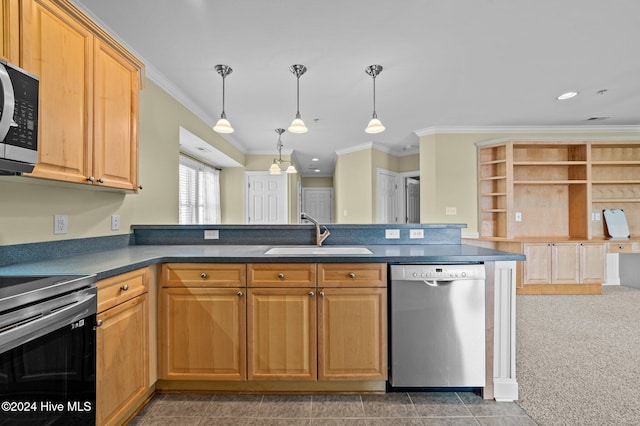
(119, 260)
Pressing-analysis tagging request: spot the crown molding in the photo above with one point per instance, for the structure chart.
(524, 129)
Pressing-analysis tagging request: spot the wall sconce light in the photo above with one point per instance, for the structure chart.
(275, 168)
(297, 125)
(223, 125)
(374, 126)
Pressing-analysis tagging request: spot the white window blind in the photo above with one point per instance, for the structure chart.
(199, 192)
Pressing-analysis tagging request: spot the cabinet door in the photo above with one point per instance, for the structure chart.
(202, 334)
(115, 138)
(565, 263)
(352, 334)
(122, 369)
(59, 52)
(592, 263)
(10, 31)
(281, 341)
(537, 267)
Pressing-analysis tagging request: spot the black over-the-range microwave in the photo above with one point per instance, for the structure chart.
(18, 119)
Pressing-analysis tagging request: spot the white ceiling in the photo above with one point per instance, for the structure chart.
(447, 63)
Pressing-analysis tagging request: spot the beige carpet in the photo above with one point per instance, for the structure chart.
(578, 358)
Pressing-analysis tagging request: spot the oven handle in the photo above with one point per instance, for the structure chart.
(6, 115)
(73, 315)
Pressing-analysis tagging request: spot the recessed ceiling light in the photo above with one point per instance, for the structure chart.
(315, 159)
(317, 170)
(567, 95)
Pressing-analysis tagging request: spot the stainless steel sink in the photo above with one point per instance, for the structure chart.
(327, 250)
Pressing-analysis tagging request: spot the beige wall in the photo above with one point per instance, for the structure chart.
(28, 205)
(317, 182)
(353, 187)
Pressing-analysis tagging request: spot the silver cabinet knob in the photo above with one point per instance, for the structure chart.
(203, 275)
(281, 276)
(322, 294)
(352, 275)
(240, 294)
(91, 179)
(98, 323)
(124, 287)
(140, 187)
(100, 180)
(311, 294)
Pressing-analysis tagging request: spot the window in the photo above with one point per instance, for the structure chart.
(199, 192)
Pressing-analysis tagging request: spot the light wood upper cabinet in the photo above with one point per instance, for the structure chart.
(122, 346)
(89, 91)
(115, 124)
(10, 32)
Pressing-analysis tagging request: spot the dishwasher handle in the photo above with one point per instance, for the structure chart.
(437, 283)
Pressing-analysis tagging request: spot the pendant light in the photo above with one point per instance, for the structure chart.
(223, 125)
(374, 126)
(297, 125)
(277, 162)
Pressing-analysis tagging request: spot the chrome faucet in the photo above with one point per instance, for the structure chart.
(320, 236)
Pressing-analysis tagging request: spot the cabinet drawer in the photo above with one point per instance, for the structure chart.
(281, 275)
(352, 274)
(621, 247)
(203, 275)
(115, 290)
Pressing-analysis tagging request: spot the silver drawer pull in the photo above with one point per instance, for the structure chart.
(352, 275)
(124, 287)
(281, 276)
(98, 323)
(203, 275)
(240, 294)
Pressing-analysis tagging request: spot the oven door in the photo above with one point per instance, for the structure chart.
(48, 362)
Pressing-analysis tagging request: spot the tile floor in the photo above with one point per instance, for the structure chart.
(397, 409)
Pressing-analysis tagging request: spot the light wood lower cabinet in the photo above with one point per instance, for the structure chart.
(352, 321)
(292, 322)
(122, 347)
(281, 342)
(202, 333)
(202, 324)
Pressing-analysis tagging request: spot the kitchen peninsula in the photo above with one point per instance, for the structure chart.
(166, 279)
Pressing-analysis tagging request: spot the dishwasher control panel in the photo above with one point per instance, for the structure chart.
(437, 272)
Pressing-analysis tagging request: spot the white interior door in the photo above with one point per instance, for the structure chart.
(412, 200)
(387, 195)
(266, 198)
(318, 203)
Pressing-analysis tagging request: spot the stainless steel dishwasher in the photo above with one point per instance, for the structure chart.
(437, 329)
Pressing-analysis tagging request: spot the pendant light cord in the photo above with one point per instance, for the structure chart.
(374, 97)
(223, 78)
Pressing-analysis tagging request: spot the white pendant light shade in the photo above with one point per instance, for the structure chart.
(375, 126)
(297, 126)
(291, 169)
(274, 169)
(223, 126)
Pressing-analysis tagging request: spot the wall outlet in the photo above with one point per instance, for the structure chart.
(211, 234)
(416, 233)
(392, 234)
(60, 224)
(450, 211)
(518, 217)
(115, 222)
